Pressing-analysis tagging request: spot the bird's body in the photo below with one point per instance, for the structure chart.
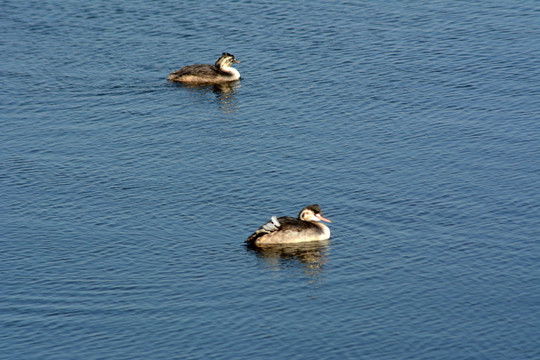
(220, 72)
(289, 230)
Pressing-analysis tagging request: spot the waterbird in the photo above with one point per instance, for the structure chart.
(221, 72)
(289, 230)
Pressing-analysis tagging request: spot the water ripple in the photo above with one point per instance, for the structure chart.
(126, 199)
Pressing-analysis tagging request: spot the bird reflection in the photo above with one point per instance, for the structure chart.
(224, 93)
(310, 257)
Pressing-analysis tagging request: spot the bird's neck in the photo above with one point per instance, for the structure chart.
(230, 70)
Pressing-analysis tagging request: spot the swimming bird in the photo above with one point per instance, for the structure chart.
(220, 72)
(289, 230)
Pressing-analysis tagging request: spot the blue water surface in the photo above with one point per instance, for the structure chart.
(126, 199)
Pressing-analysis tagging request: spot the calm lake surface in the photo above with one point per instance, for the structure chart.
(126, 199)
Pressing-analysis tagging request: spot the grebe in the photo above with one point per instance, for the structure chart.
(207, 74)
(288, 230)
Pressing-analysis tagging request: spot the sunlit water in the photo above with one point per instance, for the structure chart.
(126, 199)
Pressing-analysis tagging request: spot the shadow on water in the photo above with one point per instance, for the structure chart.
(309, 257)
(225, 93)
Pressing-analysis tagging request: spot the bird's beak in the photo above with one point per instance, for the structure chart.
(236, 61)
(320, 217)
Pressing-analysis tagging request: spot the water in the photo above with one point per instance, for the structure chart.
(126, 199)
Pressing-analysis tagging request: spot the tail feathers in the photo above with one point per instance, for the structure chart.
(267, 228)
(272, 225)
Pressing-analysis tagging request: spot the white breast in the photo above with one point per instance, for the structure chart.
(235, 73)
